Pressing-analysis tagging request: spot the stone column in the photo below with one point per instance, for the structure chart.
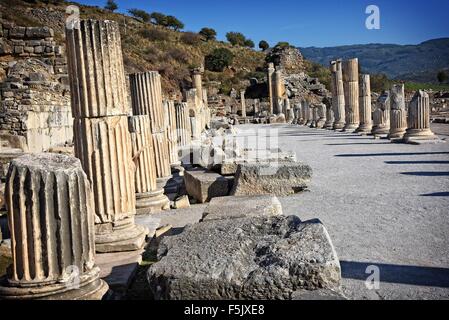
(321, 110)
(170, 112)
(419, 120)
(366, 121)
(146, 97)
(102, 141)
(197, 75)
(315, 116)
(398, 114)
(305, 112)
(256, 106)
(329, 124)
(149, 197)
(338, 97)
(279, 91)
(270, 77)
(298, 114)
(243, 102)
(351, 92)
(309, 114)
(184, 130)
(381, 115)
(51, 218)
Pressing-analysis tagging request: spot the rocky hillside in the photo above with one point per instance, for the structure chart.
(419, 63)
(146, 46)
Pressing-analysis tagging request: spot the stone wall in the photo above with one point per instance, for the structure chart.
(34, 98)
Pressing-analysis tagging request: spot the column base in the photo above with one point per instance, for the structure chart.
(329, 125)
(397, 134)
(380, 131)
(151, 202)
(338, 125)
(320, 124)
(90, 287)
(351, 127)
(122, 237)
(418, 136)
(364, 129)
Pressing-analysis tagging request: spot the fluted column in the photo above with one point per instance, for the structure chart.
(279, 91)
(270, 77)
(309, 114)
(243, 102)
(381, 115)
(150, 197)
(321, 114)
(102, 141)
(171, 133)
(146, 97)
(329, 124)
(184, 130)
(366, 121)
(51, 217)
(419, 119)
(351, 91)
(338, 97)
(398, 114)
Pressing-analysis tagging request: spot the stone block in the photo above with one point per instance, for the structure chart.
(241, 207)
(245, 259)
(204, 185)
(39, 32)
(279, 178)
(17, 32)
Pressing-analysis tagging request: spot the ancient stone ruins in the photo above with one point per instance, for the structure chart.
(89, 154)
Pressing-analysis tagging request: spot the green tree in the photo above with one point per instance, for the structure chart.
(283, 44)
(111, 5)
(219, 59)
(174, 23)
(208, 34)
(158, 18)
(264, 45)
(442, 76)
(249, 43)
(236, 38)
(140, 15)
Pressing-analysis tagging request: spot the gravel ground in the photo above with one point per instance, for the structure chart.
(384, 204)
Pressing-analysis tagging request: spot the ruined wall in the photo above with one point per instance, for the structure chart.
(34, 98)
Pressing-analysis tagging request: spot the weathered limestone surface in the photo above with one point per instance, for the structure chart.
(248, 258)
(366, 121)
(146, 96)
(338, 96)
(351, 92)
(205, 185)
(96, 72)
(242, 207)
(381, 115)
(149, 197)
(104, 147)
(321, 116)
(51, 217)
(279, 91)
(419, 120)
(183, 128)
(330, 119)
(170, 113)
(281, 179)
(102, 140)
(271, 88)
(243, 103)
(398, 114)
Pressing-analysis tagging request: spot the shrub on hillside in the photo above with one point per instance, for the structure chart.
(155, 35)
(236, 38)
(190, 38)
(264, 45)
(178, 55)
(219, 59)
(208, 34)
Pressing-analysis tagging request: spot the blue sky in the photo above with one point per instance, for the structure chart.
(306, 23)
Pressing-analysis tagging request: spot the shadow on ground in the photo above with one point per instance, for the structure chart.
(401, 274)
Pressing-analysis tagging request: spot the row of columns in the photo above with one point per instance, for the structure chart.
(63, 209)
(351, 108)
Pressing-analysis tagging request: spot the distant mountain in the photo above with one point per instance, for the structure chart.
(419, 63)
